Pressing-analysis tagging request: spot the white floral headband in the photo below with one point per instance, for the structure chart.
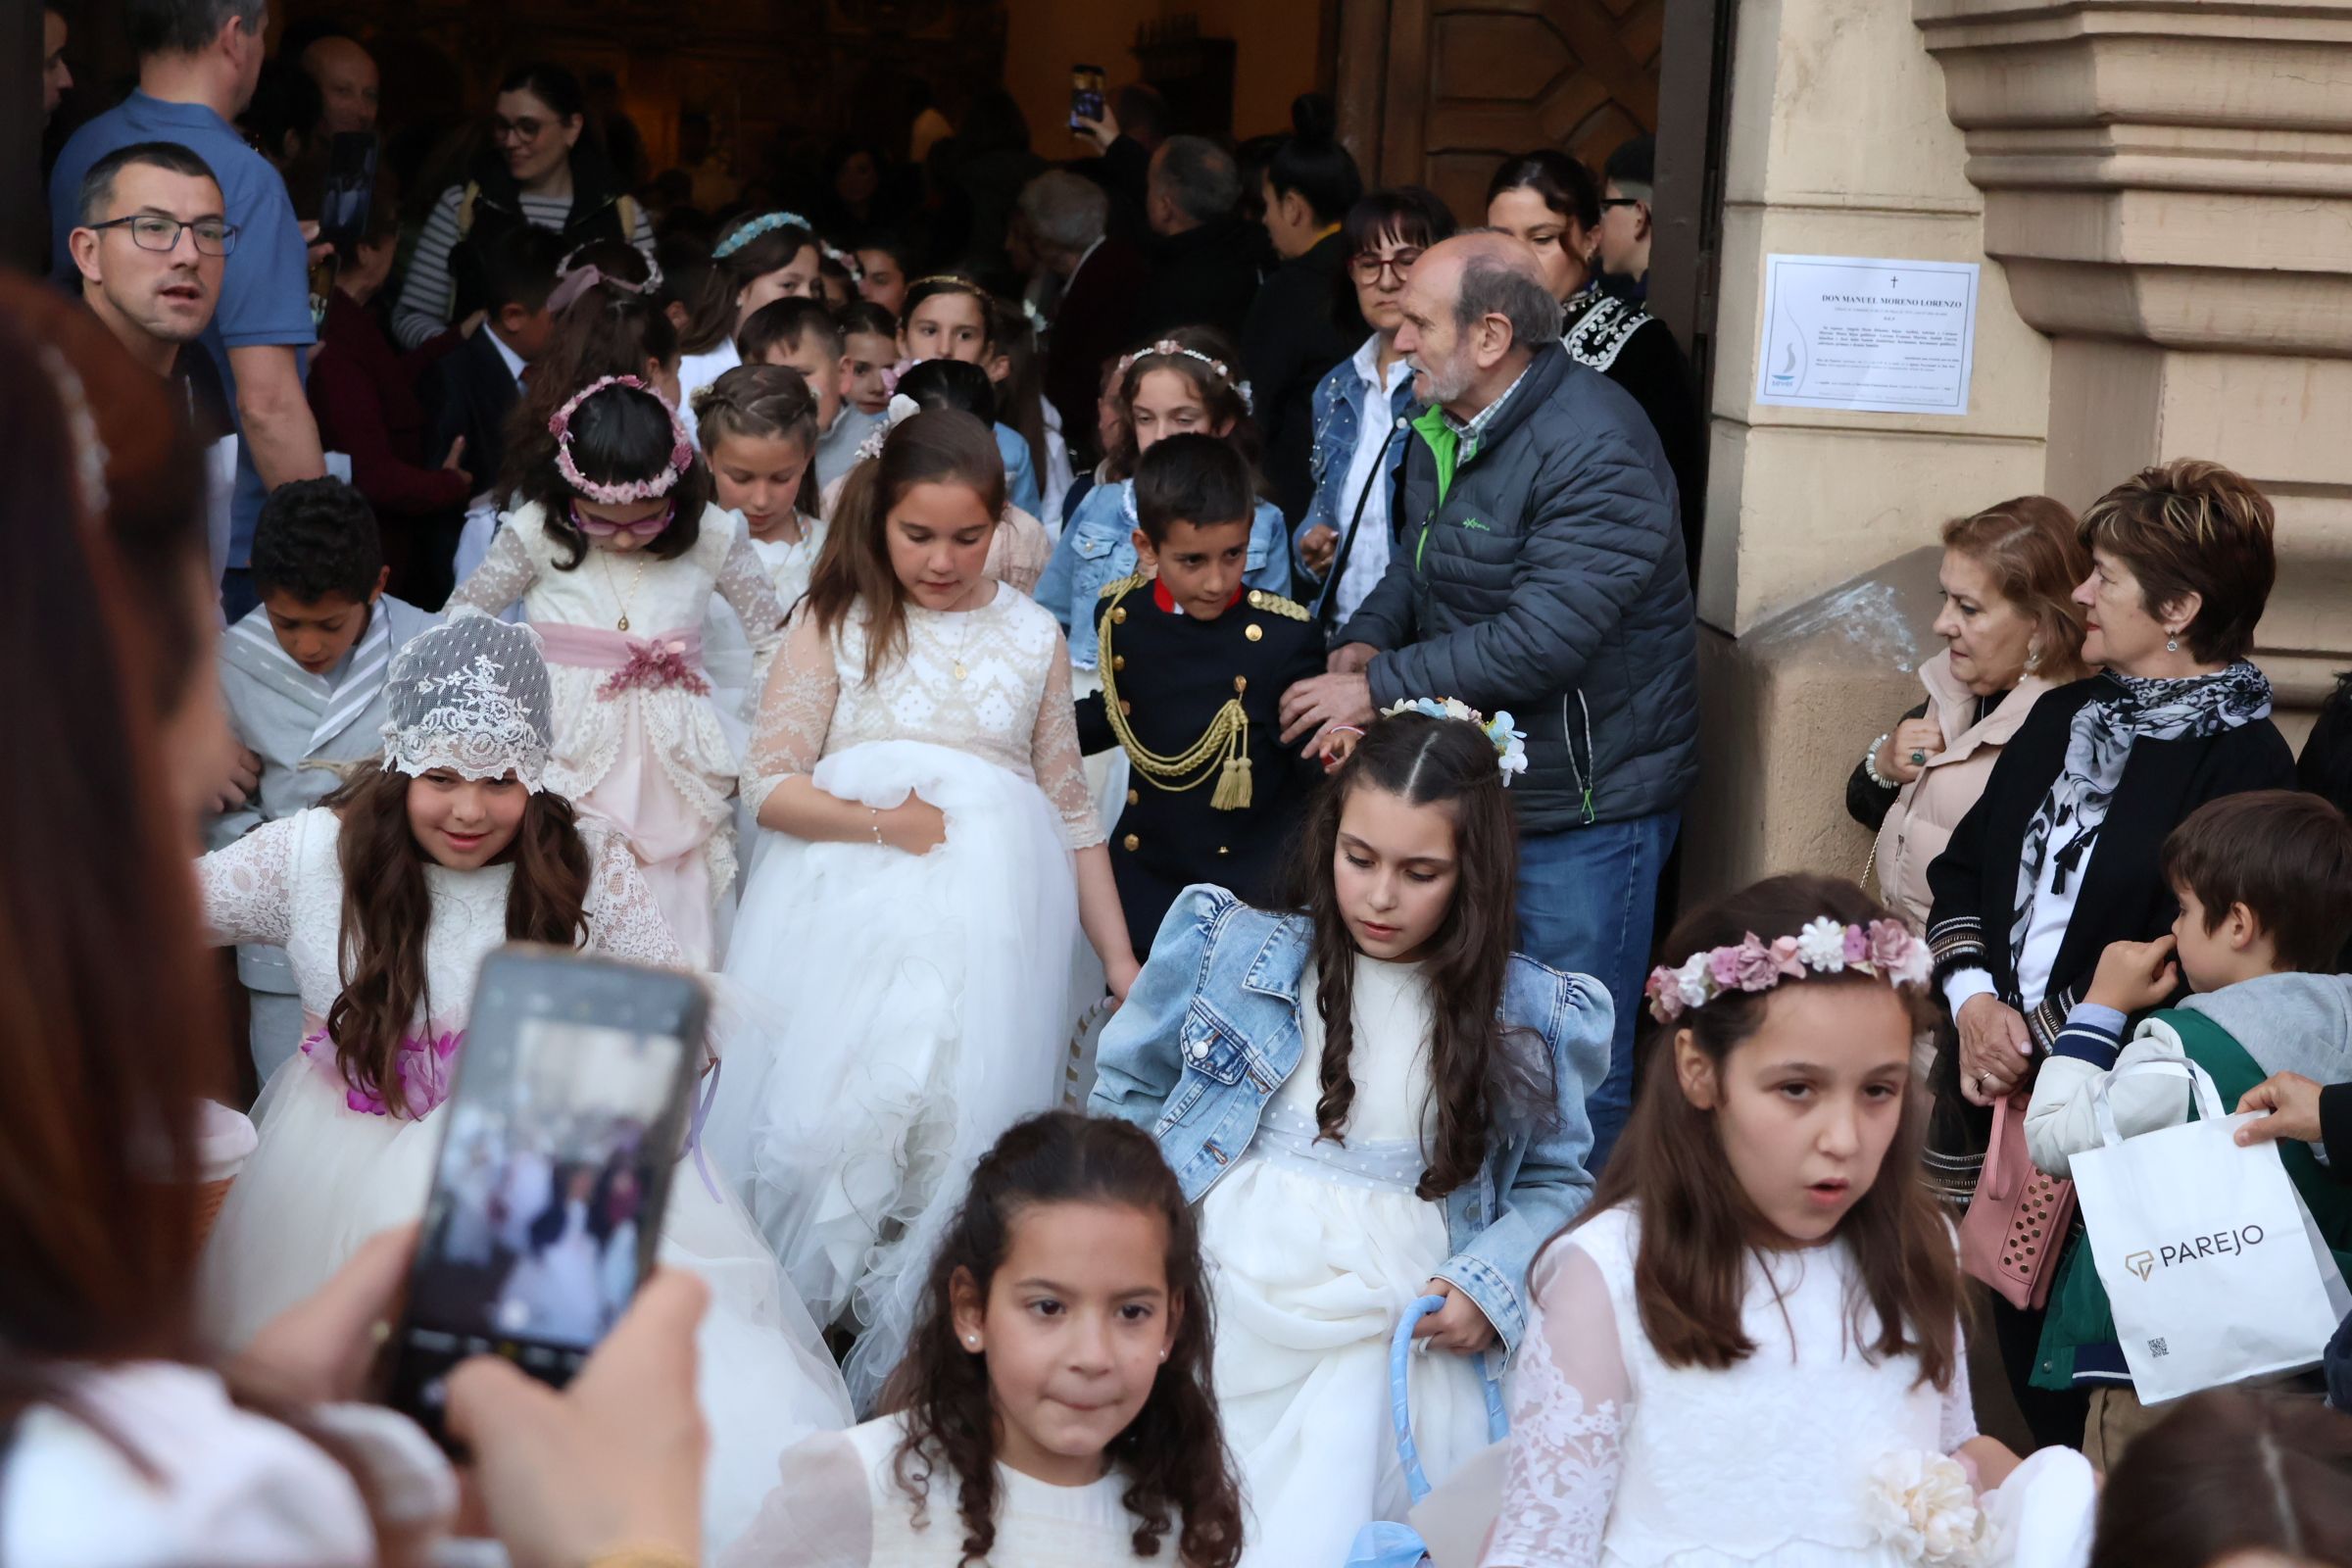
(1884, 948)
(1168, 348)
(571, 282)
(847, 262)
(1510, 744)
(681, 452)
(766, 223)
(900, 410)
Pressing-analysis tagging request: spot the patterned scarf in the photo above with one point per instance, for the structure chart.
(2100, 741)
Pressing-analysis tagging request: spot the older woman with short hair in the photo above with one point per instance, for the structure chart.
(2012, 632)
(2060, 854)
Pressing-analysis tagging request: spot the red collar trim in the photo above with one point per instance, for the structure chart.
(1166, 602)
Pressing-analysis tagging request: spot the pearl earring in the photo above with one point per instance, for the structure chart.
(2171, 645)
(972, 1340)
(2033, 659)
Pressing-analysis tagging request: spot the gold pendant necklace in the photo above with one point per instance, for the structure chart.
(635, 583)
(963, 636)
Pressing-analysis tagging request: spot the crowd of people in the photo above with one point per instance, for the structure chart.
(1158, 691)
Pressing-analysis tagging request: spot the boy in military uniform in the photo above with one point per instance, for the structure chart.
(1194, 668)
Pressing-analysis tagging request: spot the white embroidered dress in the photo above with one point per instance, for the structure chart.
(926, 995)
(638, 742)
(329, 1175)
(839, 1505)
(1617, 1459)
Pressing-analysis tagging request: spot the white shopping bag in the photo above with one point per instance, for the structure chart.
(2213, 1267)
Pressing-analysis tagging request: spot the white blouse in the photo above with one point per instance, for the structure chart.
(222, 1485)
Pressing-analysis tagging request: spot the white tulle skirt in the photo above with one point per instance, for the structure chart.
(925, 1005)
(326, 1178)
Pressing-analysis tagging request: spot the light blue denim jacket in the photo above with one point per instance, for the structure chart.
(1098, 549)
(1021, 471)
(1211, 1030)
(1338, 403)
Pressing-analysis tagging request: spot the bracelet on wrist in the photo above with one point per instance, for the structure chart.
(1870, 763)
(874, 821)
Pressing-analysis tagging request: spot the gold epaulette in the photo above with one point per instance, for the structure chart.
(1276, 605)
(1111, 589)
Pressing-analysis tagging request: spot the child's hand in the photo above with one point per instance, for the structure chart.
(1333, 746)
(914, 827)
(2293, 1103)
(2135, 976)
(1459, 1325)
(1121, 974)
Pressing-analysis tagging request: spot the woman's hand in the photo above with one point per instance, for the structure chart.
(1316, 547)
(913, 828)
(1994, 1049)
(2135, 976)
(1920, 737)
(2293, 1103)
(613, 1460)
(319, 1350)
(1459, 1325)
(1120, 973)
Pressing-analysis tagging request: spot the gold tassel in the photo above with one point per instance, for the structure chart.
(1233, 786)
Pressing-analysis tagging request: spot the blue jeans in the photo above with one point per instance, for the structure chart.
(1586, 899)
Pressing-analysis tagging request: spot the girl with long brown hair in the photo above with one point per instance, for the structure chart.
(1055, 1408)
(1763, 1295)
(1370, 1099)
(386, 900)
(914, 910)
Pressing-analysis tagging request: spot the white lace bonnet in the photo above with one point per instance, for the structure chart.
(471, 696)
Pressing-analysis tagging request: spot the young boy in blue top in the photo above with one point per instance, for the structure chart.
(2264, 880)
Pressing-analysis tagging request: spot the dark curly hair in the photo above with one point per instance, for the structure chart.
(618, 435)
(1486, 1077)
(316, 537)
(1173, 1454)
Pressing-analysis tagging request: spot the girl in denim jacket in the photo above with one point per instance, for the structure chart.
(1371, 1098)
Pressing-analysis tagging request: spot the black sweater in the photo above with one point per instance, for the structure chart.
(2123, 896)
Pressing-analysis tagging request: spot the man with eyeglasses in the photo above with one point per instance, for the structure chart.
(199, 61)
(1625, 219)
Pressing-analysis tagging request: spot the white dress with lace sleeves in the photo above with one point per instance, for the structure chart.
(248, 886)
(1570, 1405)
(922, 1000)
(624, 919)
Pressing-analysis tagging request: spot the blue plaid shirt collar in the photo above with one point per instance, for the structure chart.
(1472, 432)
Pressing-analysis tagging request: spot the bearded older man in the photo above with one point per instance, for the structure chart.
(1538, 568)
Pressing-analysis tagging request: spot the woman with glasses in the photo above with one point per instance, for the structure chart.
(1361, 405)
(536, 170)
(1553, 203)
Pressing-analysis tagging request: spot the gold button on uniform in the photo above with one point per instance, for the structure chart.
(1133, 797)
(1119, 660)
(1254, 633)
(1118, 615)
(1132, 842)
(1126, 707)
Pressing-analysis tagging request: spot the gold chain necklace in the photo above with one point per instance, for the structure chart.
(635, 583)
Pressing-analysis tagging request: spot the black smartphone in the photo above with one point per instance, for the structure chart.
(350, 187)
(1086, 93)
(561, 1139)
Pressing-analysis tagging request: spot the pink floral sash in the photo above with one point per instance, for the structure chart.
(422, 1069)
(638, 663)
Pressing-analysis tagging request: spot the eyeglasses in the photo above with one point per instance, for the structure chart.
(1622, 201)
(151, 231)
(523, 129)
(602, 528)
(1367, 267)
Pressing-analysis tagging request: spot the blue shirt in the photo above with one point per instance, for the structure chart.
(1098, 549)
(265, 285)
(1020, 472)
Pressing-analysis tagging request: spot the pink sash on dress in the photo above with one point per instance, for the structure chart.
(649, 664)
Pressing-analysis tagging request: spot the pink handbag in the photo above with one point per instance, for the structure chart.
(2016, 1224)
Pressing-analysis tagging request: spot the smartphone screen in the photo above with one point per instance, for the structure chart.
(350, 187)
(1086, 93)
(559, 1141)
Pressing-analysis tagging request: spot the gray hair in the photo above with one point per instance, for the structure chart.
(1200, 176)
(187, 27)
(1493, 285)
(1066, 212)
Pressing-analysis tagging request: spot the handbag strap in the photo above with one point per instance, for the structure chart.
(2200, 1083)
(1988, 1180)
(1339, 559)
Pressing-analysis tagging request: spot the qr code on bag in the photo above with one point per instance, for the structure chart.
(2158, 1348)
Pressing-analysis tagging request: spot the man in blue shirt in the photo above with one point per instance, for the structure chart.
(198, 63)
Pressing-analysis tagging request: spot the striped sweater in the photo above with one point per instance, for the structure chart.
(425, 298)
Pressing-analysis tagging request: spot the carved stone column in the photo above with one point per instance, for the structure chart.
(2170, 189)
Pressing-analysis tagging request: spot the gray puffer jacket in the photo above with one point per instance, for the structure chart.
(1545, 576)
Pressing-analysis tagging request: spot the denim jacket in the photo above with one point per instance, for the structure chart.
(1339, 399)
(1211, 1030)
(1098, 549)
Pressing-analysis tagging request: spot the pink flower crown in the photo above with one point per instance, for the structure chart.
(681, 452)
(1884, 948)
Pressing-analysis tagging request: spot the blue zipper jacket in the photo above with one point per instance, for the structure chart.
(1211, 1030)
(1098, 549)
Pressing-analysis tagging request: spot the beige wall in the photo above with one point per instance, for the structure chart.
(1277, 44)
(1838, 146)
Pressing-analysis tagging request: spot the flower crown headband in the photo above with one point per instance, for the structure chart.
(681, 452)
(571, 282)
(900, 409)
(1169, 348)
(1883, 949)
(766, 224)
(1510, 745)
(849, 263)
